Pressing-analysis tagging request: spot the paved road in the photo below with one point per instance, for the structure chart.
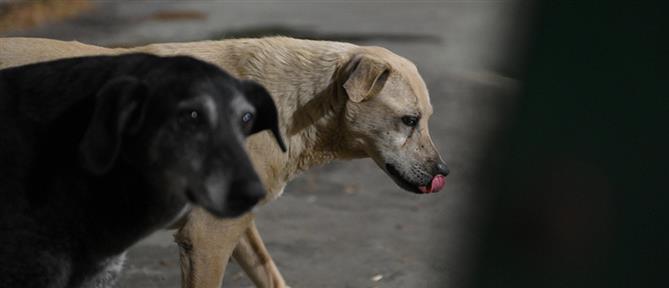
(345, 223)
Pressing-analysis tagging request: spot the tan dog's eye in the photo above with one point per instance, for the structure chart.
(410, 121)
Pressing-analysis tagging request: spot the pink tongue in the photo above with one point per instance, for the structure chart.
(438, 182)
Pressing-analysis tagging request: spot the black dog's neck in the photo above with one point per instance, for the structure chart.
(99, 215)
(127, 210)
(105, 215)
(97, 219)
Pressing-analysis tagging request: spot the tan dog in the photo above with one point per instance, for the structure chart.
(335, 101)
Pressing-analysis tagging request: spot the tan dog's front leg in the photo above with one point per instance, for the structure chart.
(205, 245)
(253, 257)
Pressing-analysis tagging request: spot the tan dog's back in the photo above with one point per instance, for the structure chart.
(22, 51)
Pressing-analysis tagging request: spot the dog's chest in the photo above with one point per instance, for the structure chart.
(108, 273)
(272, 194)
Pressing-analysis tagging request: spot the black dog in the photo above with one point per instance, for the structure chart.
(98, 152)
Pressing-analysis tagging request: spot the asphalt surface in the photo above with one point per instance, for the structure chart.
(346, 224)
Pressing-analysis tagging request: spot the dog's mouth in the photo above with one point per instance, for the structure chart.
(436, 183)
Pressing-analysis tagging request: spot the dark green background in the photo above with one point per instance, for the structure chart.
(581, 195)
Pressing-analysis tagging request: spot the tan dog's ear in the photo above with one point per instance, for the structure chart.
(367, 75)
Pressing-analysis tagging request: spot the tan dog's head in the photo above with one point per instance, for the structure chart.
(387, 115)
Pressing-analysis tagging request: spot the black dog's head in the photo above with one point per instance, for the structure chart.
(181, 124)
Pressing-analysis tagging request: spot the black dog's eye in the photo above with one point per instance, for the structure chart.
(410, 121)
(247, 117)
(247, 121)
(190, 117)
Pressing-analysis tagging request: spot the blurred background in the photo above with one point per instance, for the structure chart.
(550, 116)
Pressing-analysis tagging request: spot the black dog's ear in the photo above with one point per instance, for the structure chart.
(267, 116)
(117, 104)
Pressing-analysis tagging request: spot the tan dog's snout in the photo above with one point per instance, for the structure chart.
(417, 176)
(438, 165)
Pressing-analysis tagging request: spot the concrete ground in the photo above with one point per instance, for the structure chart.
(346, 224)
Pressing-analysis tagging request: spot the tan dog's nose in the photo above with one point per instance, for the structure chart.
(442, 169)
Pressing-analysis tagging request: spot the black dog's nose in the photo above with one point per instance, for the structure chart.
(442, 169)
(243, 196)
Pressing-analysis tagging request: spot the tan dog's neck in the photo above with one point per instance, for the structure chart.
(316, 131)
(301, 75)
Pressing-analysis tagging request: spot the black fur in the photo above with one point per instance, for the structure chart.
(98, 152)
